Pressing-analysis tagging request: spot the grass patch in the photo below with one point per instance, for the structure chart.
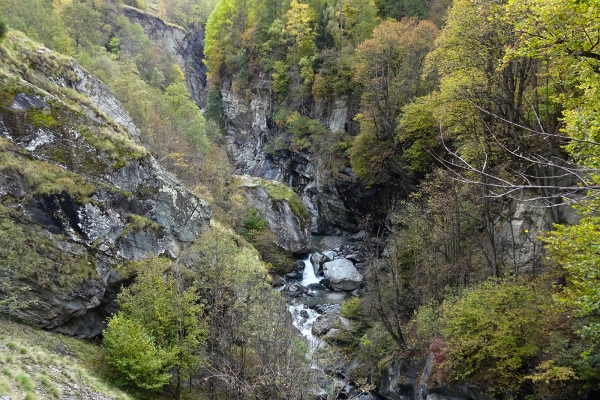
(42, 118)
(53, 390)
(139, 223)
(116, 145)
(31, 396)
(24, 382)
(46, 178)
(80, 362)
(5, 386)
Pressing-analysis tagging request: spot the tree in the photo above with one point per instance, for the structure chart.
(164, 320)
(575, 249)
(83, 23)
(389, 67)
(574, 56)
(252, 350)
(133, 352)
(492, 330)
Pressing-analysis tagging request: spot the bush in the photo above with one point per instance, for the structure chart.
(492, 330)
(351, 309)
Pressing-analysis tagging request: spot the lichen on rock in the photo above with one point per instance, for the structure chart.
(74, 180)
(286, 216)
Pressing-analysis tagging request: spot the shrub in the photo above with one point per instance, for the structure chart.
(24, 382)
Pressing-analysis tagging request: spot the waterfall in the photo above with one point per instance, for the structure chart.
(308, 275)
(297, 309)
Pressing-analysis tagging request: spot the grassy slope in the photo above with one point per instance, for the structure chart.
(35, 364)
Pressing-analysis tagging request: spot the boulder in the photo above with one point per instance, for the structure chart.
(358, 236)
(295, 275)
(278, 281)
(355, 258)
(328, 321)
(317, 260)
(287, 218)
(342, 274)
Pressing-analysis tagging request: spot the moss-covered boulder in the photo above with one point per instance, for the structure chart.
(78, 195)
(286, 216)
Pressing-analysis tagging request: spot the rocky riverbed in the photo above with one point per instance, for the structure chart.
(324, 278)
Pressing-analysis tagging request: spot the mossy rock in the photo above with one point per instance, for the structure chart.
(279, 192)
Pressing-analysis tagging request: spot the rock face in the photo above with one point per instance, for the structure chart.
(336, 200)
(77, 185)
(186, 46)
(517, 239)
(342, 275)
(286, 216)
(410, 380)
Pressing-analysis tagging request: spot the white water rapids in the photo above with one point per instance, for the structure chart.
(303, 324)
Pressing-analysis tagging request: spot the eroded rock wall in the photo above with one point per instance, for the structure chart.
(187, 46)
(286, 216)
(338, 201)
(76, 183)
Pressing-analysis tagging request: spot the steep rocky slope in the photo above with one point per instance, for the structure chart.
(42, 365)
(186, 46)
(286, 216)
(337, 200)
(79, 196)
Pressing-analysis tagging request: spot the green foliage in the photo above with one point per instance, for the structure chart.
(575, 249)
(492, 330)
(417, 133)
(368, 157)
(389, 66)
(132, 351)
(39, 20)
(428, 321)
(254, 221)
(246, 329)
(351, 309)
(166, 332)
(214, 108)
(83, 23)
(114, 45)
(280, 83)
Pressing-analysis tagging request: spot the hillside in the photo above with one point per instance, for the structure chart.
(36, 364)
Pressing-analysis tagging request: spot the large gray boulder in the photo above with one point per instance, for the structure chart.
(286, 216)
(325, 323)
(342, 275)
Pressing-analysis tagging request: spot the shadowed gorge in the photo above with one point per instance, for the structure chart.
(320, 199)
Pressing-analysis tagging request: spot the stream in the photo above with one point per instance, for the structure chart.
(311, 297)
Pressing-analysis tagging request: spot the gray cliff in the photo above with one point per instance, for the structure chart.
(76, 183)
(187, 46)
